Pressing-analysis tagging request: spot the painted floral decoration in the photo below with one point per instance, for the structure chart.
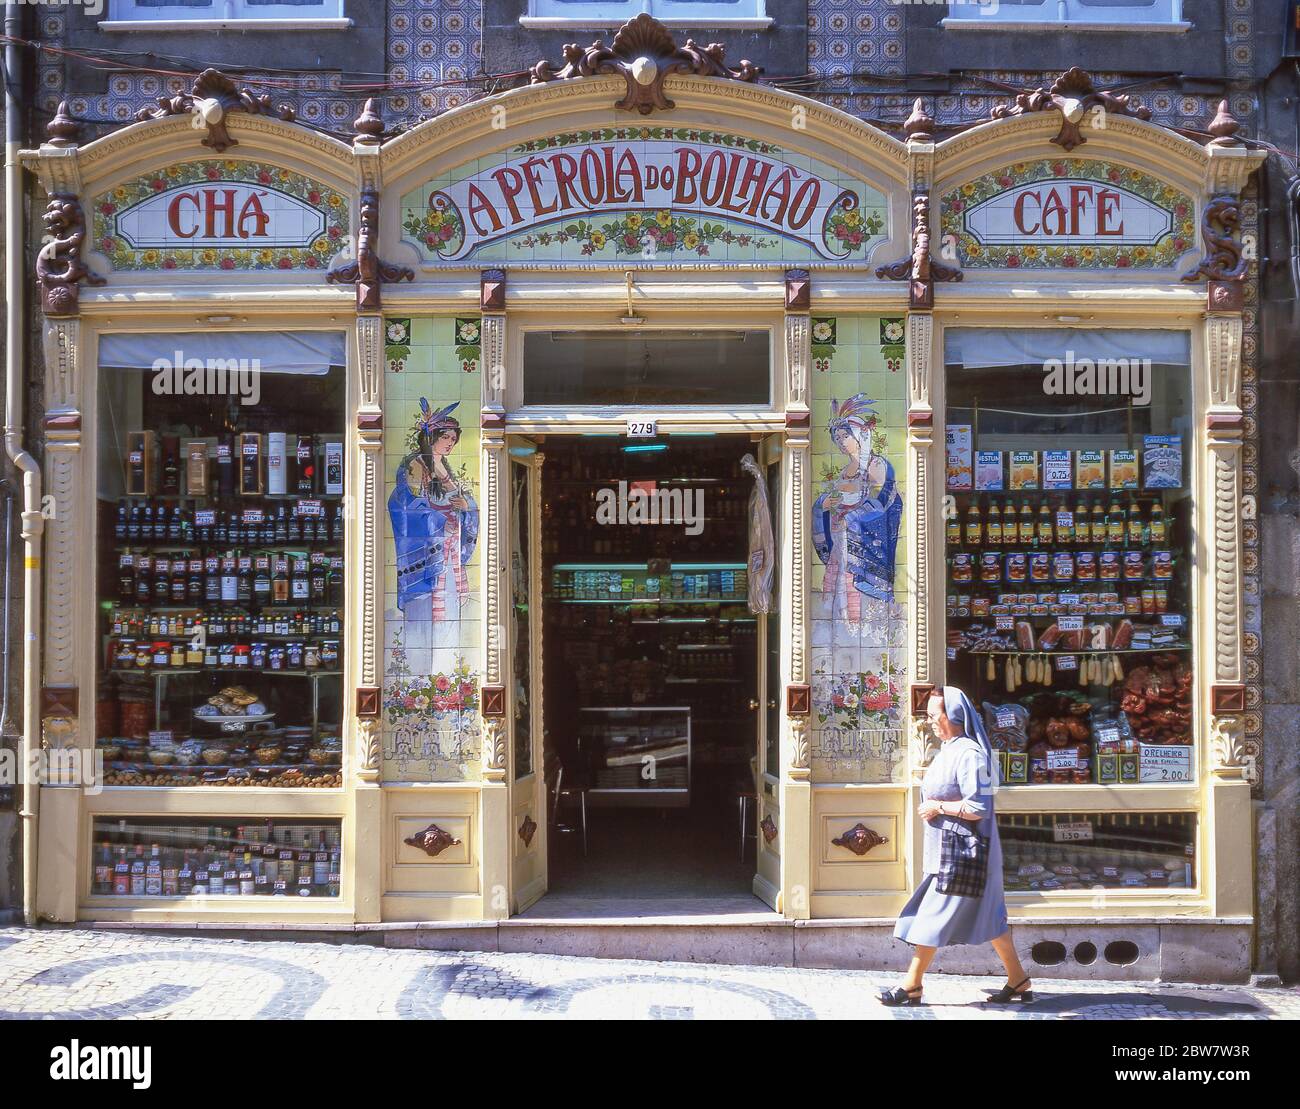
(850, 232)
(866, 700)
(823, 341)
(314, 256)
(649, 234)
(468, 342)
(439, 227)
(397, 344)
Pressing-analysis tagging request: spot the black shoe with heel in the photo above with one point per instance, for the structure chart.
(1008, 994)
(900, 996)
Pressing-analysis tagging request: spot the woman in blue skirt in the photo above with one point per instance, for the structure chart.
(958, 787)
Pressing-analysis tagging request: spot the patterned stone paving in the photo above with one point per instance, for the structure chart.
(78, 974)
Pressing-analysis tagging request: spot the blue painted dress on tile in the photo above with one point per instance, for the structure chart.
(959, 772)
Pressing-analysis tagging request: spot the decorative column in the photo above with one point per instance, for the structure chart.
(370, 455)
(795, 833)
(1225, 271)
(495, 817)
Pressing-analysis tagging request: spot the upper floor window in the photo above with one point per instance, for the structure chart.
(167, 10)
(712, 12)
(1068, 11)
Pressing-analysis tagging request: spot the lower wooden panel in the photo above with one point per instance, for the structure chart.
(410, 870)
(837, 869)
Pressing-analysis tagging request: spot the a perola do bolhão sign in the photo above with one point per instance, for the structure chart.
(713, 197)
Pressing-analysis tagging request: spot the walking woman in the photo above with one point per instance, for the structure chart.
(960, 901)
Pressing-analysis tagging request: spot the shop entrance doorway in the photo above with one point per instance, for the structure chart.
(650, 679)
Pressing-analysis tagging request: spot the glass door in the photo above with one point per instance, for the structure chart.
(529, 803)
(767, 812)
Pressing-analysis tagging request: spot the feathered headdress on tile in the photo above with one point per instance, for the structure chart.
(854, 414)
(431, 421)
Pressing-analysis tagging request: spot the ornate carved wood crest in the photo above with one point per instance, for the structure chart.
(368, 271)
(1224, 266)
(768, 828)
(59, 268)
(212, 97)
(644, 52)
(919, 268)
(433, 841)
(860, 839)
(1072, 94)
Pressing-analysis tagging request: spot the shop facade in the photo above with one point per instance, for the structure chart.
(314, 656)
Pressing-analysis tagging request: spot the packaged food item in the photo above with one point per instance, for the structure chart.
(1017, 567)
(990, 567)
(960, 475)
(1007, 726)
(1085, 565)
(1040, 567)
(1123, 469)
(1134, 566)
(962, 562)
(1162, 565)
(1108, 566)
(988, 471)
(1024, 470)
(1162, 462)
(1063, 566)
(1017, 767)
(1089, 470)
(1058, 471)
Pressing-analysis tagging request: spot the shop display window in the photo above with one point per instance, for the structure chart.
(220, 522)
(1068, 528)
(230, 857)
(1073, 851)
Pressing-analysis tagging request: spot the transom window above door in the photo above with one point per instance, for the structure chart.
(1056, 12)
(711, 13)
(224, 10)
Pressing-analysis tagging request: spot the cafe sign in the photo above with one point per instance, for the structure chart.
(228, 214)
(650, 194)
(1069, 214)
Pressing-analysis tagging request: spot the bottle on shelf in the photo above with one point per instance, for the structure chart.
(1082, 524)
(993, 527)
(1114, 524)
(1136, 527)
(1043, 533)
(1025, 530)
(974, 525)
(1157, 526)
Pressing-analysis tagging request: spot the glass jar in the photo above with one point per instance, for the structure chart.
(242, 653)
(311, 656)
(329, 653)
(275, 658)
(257, 656)
(294, 653)
(162, 653)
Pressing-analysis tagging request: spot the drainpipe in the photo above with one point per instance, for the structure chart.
(22, 460)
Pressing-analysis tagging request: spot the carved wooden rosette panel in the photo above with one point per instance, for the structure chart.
(860, 839)
(64, 481)
(370, 441)
(797, 464)
(433, 841)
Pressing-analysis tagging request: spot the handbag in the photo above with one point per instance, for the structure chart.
(963, 859)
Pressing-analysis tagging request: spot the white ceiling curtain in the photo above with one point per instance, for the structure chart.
(979, 348)
(277, 352)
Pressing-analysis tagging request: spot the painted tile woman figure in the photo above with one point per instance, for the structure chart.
(857, 516)
(435, 519)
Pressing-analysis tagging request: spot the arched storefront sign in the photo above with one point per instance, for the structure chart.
(645, 194)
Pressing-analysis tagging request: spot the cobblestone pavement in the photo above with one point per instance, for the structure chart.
(57, 973)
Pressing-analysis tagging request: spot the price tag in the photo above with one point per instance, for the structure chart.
(205, 517)
(952, 654)
(160, 739)
(250, 450)
(252, 516)
(135, 458)
(1172, 619)
(1067, 662)
(1005, 623)
(1068, 599)
(1108, 737)
(1005, 718)
(1075, 831)
(1165, 762)
(641, 427)
(1065, 521)
(1070, 623)
(1063, 760)
(309, 508)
